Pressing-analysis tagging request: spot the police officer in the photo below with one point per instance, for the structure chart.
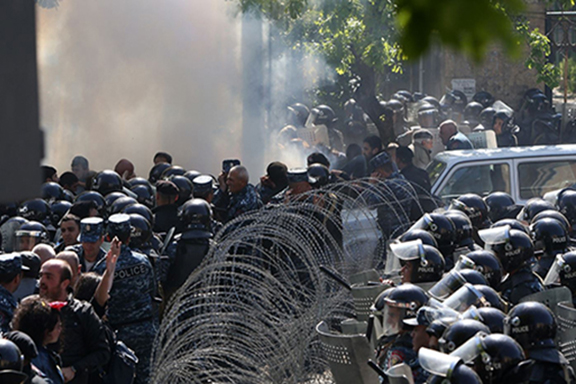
(11, 363)
(166, 211)
(190, 247)
(563, 271)
(515, 250)
(130, 306)
(10, 277)
(90, 250)
(488, 264)
(422, 264)
(442, 228)
(550, 239)
(390, 310)
(534, 327)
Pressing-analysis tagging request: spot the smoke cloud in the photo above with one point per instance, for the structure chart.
(125, 79)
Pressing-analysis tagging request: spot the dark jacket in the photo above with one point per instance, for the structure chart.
(83, 342)
(417, 177)
(166, 217)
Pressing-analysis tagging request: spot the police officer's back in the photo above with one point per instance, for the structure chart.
(10, 276)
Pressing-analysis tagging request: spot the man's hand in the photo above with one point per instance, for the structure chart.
(112, 255)
(68, 374)
(222, 181)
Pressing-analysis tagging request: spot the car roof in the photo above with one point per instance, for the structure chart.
(451, 157)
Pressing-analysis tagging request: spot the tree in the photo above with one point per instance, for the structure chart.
(364, 38)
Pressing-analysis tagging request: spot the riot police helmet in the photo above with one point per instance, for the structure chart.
(563, 270)
(499, 206)
(298, 113)
(439, 226)
(472, 113)
(196, 214)
(8, 233)
(460, 332)
(35, 209)
(533, 207)
(489, 265)
(68, 196)
(532, 325)
(433, 101)
(51, 191)
(421, 263)
(141, 210)
(484, 98)
(553, 214)
(324, 115)
(107, 181)
(57, 211)
(120, 204)
(191, 175)
(144, 195)
(487, 117)
(174, 170)
(446, 369)
(95, 197)
(185, 188)
(11, 362)
(477, 210)
(549, 235)
(513, 248)
(156, 171)
(318, 174)
(112, 197)
(512, 223)
(473, 277)
(138, 181)
(492, 317)
(392, 307)
(415, 234)
(491, 297)
(462, 227)
(395, 105)
(141, 231)
(567, 206)
(33, 230)
(404, 94)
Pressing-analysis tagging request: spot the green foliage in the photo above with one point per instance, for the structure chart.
(571, 74)
(538, 52)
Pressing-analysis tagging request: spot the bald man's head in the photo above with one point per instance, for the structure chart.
(237, 179)
(44, 252)
(73, 261)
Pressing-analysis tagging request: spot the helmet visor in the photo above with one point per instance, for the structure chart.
(553, 274)
(409, 250)
(465, 297)
(471, 349)
(451, 282)
(497, 235)
(425, 223)
(392, 320)
(464, 263)
(437, 363)
(458, 206)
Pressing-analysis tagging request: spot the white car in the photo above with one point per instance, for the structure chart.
(523, 172)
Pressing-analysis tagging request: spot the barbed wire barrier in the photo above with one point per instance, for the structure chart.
(247, 314)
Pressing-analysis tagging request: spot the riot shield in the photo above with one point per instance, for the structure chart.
(364, 296)
(400, 374)
(551, 298)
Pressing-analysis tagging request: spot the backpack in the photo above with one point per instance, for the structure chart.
(121, 368)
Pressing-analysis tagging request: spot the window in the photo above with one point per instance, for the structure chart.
(435, 169)
(479, 179)
(538, 178)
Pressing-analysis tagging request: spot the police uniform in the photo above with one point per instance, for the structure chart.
(238, 203)
(130, 307)
(203, 186)
(401, 352)
(91, 231)
(522, 283)
(549, 367)
(10, 265)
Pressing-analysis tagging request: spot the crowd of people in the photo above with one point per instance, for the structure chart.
(94, 260)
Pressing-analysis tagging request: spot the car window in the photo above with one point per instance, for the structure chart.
(480, 179)
(435, 169)
(538, 178)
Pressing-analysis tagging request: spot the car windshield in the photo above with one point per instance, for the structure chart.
(435, 169)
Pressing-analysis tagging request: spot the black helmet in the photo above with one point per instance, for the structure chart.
(95, 197)
(477, 210)
(513, 248)
(505, 116)
(455, 100)
(107, 181)
(8, 233)
(68, 196)
(185, 187)
(459, 333)
(196, 214)
(532, 325)
(36, 209)
(441, 227)
(139, 209)
(500, 206)
(403, 95)
(488, 264)
(432, 100)
(35, 230)
(141, 231)
(484, 98)
(156, 172)
(408, 298)
(491, 297)
(495, 357)
(512, 223)
(112, 197)
(549, 213)
(120, 204)
(549, 235)
(145, 195)
(567, 206)
(11, 358)
(318, 174)
(487, 117)
(191, 175)
(463, 227)
(51, 192)
(533, 207)
(472, 113)
(138, 181)
(395, 105)
(324, 115)
(299, 113)
(415, 234)
(473, 277)
(564, 268)
(427, 262)
(174, 170)
(492, 317)
(58, 210)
